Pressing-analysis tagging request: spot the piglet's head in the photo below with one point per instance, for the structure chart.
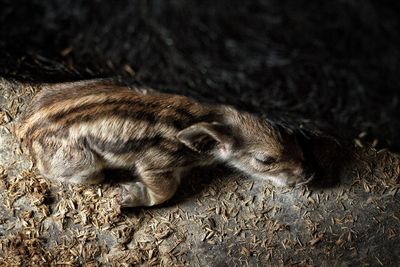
(253, 145)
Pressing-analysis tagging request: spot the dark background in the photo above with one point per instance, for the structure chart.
(333, 63)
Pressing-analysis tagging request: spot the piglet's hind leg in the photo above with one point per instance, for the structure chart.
(70, 163)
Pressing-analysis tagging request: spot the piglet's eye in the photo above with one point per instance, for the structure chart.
(264, 159)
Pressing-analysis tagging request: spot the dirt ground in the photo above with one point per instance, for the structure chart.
(329, 69)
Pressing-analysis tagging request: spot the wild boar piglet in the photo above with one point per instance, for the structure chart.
(74, 131)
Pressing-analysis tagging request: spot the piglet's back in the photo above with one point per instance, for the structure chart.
(108, 114)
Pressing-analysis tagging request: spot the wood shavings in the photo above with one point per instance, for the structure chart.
(316, 240)
(4, 117)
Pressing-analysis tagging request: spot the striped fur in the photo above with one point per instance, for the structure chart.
(75, 130)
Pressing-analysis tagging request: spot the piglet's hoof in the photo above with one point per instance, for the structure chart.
(130, 194)
(122, 196)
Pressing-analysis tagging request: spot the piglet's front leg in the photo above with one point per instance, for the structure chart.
(154, 188)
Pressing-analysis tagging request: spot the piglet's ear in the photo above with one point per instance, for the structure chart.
(207, 137)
